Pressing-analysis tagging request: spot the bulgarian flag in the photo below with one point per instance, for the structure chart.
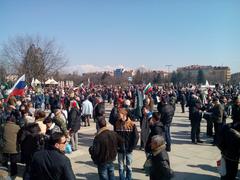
(148, 88)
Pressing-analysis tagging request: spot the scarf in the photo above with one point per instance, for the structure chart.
(102, 129)
(159, 149)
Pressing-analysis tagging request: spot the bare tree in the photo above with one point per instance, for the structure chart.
(106, 79)
(34, 56)
(138, 78)
(3, 73)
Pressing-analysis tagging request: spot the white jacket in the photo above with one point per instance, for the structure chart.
(87, 108)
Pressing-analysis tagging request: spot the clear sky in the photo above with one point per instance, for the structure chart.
(98, 33)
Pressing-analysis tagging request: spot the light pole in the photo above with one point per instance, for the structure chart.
(168, 66)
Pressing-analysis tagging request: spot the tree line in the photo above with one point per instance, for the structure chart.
(41, 58)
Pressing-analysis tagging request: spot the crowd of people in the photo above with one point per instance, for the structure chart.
(36, 128)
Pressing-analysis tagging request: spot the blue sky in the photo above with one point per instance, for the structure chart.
(133, 33)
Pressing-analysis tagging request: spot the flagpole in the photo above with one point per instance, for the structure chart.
(168, 69)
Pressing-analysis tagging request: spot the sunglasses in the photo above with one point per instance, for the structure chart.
(63, 142)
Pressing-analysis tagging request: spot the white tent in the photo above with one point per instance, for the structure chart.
(33, 82)
(207, 86)
(37, 82)
(51, 82)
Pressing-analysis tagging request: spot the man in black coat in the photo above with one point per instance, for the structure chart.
(167, 112)
(191, 103)
(114, 114)
(196, 121)
(229, 144)
(236, 110)
(51, 163)
(182, 99)
(104, 150)
(98, 111)
(74, 123)
(217, 116)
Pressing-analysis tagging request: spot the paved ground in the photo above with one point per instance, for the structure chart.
(189, 161)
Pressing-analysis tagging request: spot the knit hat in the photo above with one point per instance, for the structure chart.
(120, 101)
(74, 104)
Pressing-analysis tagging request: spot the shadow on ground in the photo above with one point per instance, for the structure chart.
(181, 116)
(205, 167)
(184, 137)
(91, 176)
(180, 125)
(85, 139)
(181, 137)
(89, 163)
(191, 176)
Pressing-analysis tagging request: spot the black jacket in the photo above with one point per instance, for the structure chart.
(104, 148)
(30, 141)
(51, 164)
(160, 169)
(196, 114)
(99, 110)
(156, 129)
(190, 104)
(217, 113)
(54, 102)
(167, 113)
(182, 99)
(113, 115)
(229, 142)
(235, 113)
(74, 120)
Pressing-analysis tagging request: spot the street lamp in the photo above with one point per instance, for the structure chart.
(168, 66)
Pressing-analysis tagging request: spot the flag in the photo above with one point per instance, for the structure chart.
(91, 85)
(148, 88)
(4, 86)
(81, 85)
(82, 88)
(18, 88)
(88, 85)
